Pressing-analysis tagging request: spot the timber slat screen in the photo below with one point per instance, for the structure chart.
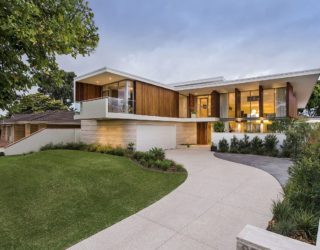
(156, 101)
(86, 91)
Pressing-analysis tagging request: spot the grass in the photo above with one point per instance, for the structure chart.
(54, 199)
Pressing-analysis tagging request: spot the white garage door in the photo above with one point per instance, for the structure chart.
(149, 136)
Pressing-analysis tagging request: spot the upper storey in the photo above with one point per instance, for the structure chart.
(108, 93)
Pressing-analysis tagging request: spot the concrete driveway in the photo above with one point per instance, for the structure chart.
(206, 212)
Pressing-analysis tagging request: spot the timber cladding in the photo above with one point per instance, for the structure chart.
(215, 104)
(291, 102)
(86, 91)
(156, 101)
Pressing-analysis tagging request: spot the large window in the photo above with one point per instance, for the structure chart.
(249, 107)
(122, 90)
(274, 103)
(224, 105)
(281, 105)
(268, 103)
(232, 106)
(204, 106)
(121, 96)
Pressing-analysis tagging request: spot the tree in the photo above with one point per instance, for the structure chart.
(62, 92)
(313, 105)
(33, 33)
(34, 103)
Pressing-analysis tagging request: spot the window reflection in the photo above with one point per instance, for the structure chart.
(232, 106)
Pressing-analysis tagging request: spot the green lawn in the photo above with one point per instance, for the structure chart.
(54, 199)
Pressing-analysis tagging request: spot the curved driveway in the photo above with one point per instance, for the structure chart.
(206, 212)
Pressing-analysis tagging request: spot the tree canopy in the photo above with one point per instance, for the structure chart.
(33, 33)
(313, 105)
(35, 103)
(63, 91)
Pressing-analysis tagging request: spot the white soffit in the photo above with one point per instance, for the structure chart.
(103, 75)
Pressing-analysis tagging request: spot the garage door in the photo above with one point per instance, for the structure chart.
(149, 136)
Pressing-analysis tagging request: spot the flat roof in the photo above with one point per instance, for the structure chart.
(123, 74)
(303, 82)
(199, 83)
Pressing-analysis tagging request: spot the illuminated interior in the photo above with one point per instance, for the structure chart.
(203, 106)
(232, 105)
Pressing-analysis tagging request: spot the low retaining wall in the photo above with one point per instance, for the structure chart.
(217, 136)
(41, 138)
(254, 238)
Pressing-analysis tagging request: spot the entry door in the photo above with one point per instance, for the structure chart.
(203, 107)
(203, 133)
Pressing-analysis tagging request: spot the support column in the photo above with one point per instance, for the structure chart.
(237, 102)
(260, 101)
(27, 129)
(191, 104)
(126, 97)
(215, 104)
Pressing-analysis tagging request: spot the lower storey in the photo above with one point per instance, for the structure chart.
(144, 134)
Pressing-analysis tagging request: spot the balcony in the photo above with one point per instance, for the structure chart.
(100, 108)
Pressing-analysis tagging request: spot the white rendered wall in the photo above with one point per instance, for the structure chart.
(122, 132)
(93, 109)
(217, 136)
(161, 136)
(252, 237)
(41, 138)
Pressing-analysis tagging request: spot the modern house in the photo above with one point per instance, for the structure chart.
(20, 126)
(117, 108)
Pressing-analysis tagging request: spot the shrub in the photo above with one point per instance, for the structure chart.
(76, 146)
(138, 155)
(115, 151)
(46, 147)
(179, 168)
(213, 147)
(281, 210)
(157, 153)
(257, 145)
(70, 146)
(307, 222)
(296, 137)
(244, 145)
(223, 145)
(218, 126)
(165, 165)
(302, 192)
(303, 187)
(234, 145)
(270, 145)
(285, 227)
(280, 126)
(92, 147)
(130, 146)
(1, 153)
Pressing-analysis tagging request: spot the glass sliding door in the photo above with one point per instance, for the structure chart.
(120, 96)
(231, 105)
(280, 102)
(268, 103)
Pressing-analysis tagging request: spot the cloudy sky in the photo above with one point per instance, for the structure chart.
(179, 40)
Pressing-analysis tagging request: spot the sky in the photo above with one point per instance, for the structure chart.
(180, 40)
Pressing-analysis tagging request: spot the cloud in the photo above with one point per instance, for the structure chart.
(171, 41)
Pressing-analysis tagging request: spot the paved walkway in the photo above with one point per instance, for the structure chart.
(206, 212)
(277, 167)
